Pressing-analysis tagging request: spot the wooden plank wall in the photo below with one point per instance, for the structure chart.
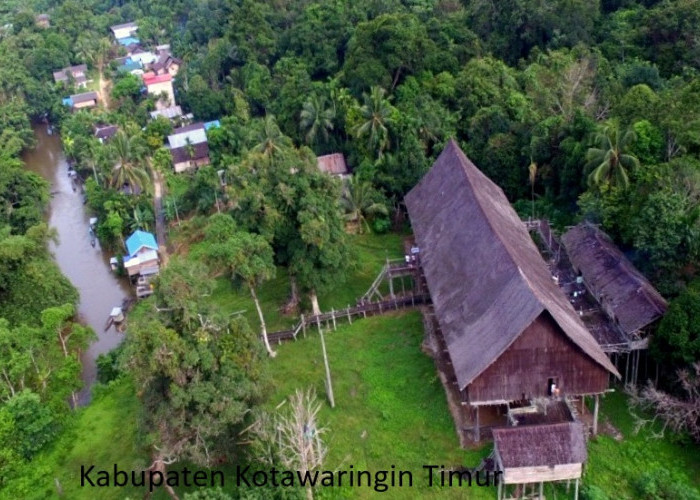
(541, 352)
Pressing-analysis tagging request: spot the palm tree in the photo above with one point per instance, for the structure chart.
(128, 155)
(360, 201)
(376, 113)
(610, 160)
(316, 119)
(271, 140)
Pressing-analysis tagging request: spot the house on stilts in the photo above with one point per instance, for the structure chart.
(512, 351)
(630, 303)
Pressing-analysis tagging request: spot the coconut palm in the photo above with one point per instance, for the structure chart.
(610, 159)
(271, 140)
(316, 119)
(359, 201)
(129, 159)
(376, 113)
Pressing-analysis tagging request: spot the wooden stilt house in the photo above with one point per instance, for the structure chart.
(510, 333)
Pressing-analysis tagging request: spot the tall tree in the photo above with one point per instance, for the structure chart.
(361, 200)
(376, 117)
(316, 119)
(610, 159)
(244, 255)
(129, 159)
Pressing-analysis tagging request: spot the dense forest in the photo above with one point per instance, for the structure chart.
(577, 109)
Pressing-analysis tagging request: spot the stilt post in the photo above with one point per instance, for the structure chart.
(595, 418)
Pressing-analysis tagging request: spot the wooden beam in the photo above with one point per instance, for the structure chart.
(576, 490)
(595, 419)
(477, 431)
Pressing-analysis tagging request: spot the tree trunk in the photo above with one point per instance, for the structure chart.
(263, 328)
(314, 303)
(294, 288)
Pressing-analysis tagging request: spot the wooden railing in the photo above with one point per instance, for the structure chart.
(361, 309)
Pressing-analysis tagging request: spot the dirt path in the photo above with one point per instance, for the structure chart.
(104, 90)
(160, 216)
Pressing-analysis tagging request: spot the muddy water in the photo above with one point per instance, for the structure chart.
(86, 267)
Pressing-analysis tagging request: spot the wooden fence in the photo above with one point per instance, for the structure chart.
(362, 309)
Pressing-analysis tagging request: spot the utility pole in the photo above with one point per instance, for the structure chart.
(329, 383)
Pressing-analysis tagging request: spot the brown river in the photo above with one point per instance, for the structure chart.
(85, 266)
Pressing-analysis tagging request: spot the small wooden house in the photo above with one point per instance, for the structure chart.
(157, 85)
(333, 164)
(82, 101)
(76, 74)
(124, 31)
(510, 333)
(532, 455)
(142, 258)
(189, 147)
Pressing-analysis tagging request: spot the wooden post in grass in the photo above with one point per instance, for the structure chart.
(349, 315)
(595, 417)
(303, 325)
(329, 383)
(333, 316)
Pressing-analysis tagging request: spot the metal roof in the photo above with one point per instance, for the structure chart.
(140, 239)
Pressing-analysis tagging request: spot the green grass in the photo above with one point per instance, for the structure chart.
(390, 407)
(102, 434)
(616, 466)
(371, 252)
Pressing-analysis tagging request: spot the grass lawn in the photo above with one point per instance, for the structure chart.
(371, 253)
(616, 467)
(390, 407)
(103, 433)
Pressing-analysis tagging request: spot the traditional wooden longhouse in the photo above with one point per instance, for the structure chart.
(510, 333)
(624, 293)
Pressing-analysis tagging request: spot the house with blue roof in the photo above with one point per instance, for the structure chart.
(142, 258)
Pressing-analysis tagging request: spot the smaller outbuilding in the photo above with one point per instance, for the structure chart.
(81, 101)
(142, 258)
(333, 164)
(123, 31)
(532, 455)
(189, 147)
(43, 21)
(105, 132)
(157, 85)
(76, 74)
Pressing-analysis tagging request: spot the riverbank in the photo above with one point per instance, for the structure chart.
(86, 267)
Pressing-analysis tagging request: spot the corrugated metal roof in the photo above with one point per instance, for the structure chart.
(84, 97)
(170, 113)
(332, 164)
(486, 278)
(129, 40)
(139, 240)
(194, 134)
(153, 79)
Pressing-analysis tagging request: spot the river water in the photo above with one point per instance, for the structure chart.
(86, 267)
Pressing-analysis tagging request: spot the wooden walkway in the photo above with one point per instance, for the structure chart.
(365, 306)
(330, 319)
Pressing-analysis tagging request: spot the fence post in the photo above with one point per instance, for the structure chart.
(349, 315)
(333, 316)
(303, 325)
(380, 307)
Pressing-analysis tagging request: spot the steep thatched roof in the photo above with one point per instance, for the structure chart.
(540, 445)
(487, 280)
(622, 290)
